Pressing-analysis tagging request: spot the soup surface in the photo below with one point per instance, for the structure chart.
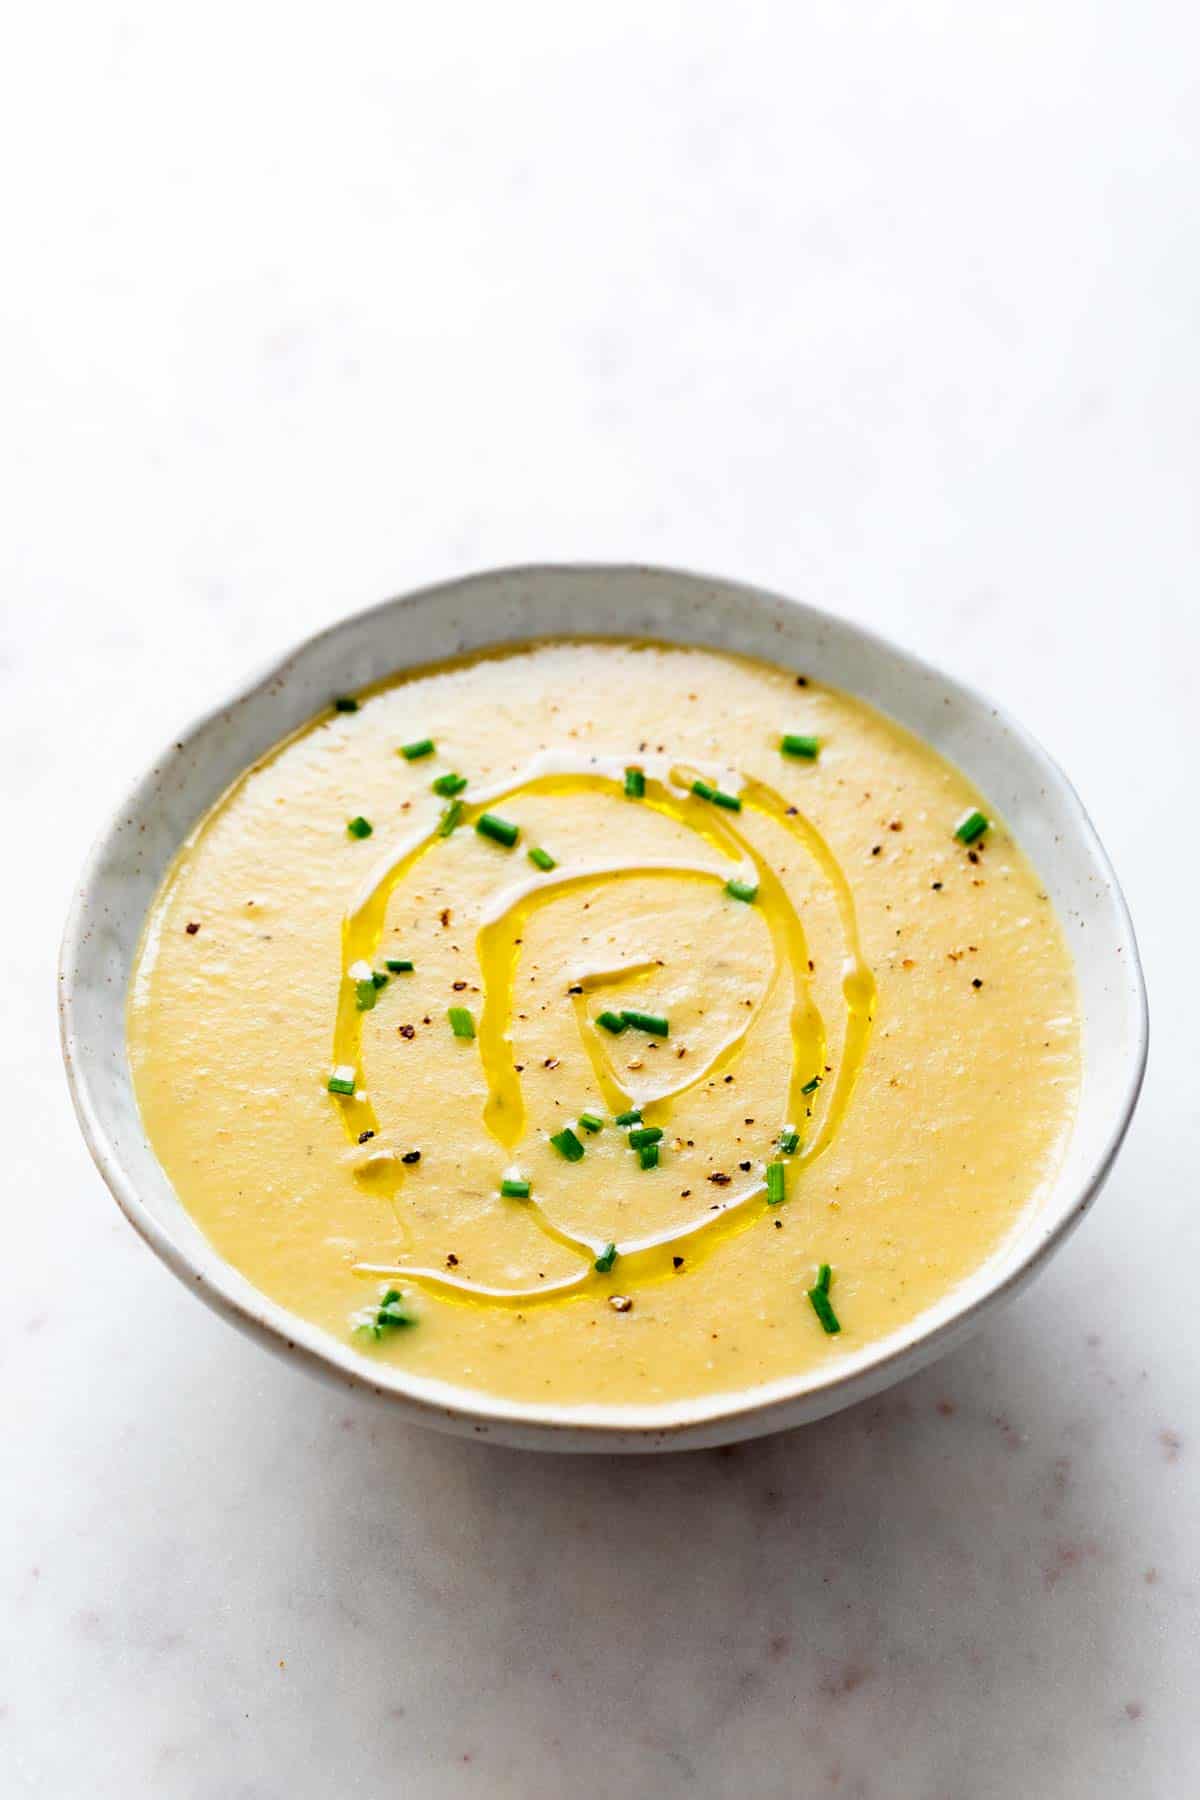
(605, 1023)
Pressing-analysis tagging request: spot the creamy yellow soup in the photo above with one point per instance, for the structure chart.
(605, 1022)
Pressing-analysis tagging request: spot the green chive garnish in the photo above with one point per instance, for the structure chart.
(632, 1117)
(644, 1134)
(972, 825)
(450, 818)
(654, 1023)
(414, 752)
(390, 1314)
(379, 978)
(359, 827)
(742, 890)
(461, 1022)
(345, 703)
(365, 994)
(567, 1144)
(635, 784)
(648, 1156)
(614, 1022)
(514, 1189)
(706, 791)
(776, 1183)
(810, 1087)
(591, 1121)
(399, 965)
(819, 1300)
(542, 859)
(448, 785)
(794, 743)
(391, 1311)
(606, 1259)
(789, 1140)
(342, 1081)
(501, 831)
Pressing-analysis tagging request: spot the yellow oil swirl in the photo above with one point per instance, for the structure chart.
(668, 791)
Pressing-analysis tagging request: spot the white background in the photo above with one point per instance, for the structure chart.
(893, 307)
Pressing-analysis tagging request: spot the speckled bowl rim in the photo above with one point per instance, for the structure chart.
(711, 1419)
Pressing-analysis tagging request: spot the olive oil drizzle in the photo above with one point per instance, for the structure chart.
(498, 943)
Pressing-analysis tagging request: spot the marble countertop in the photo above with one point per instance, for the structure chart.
(890, 307)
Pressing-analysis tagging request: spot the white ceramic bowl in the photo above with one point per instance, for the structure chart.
(1034, 796)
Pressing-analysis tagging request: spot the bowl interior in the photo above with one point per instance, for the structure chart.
(1028, 789)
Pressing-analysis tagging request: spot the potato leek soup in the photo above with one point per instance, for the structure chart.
(605, 1023)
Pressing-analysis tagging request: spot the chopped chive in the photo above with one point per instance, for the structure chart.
(345, 703)
(972, 825)
(635, 784)
(501, 831)
(644, 1134)
(542, 859)
(390, 1314)
(591, 1121)
(742, 890)
(648, 1156)
(379, 978)
(794, 743)
(810, 1087)
(567, 1144)
(706, 791)
(789, 1140)
(824, 1277)
(343, 1080)
(776, 1183)
(461, 1022)
(654, 1023)
(450, 818)
(614, 1022)
(414, 752)
(513, 1188)
(359, 827)
(819, 1300)
(632, 1117)
(365, 995)
(606, 1259)
(391, 1311)
(449, 785)
(399, 965)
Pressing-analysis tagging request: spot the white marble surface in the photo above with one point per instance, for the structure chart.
(890, 305)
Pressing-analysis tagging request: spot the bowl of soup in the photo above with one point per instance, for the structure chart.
(603, 1008)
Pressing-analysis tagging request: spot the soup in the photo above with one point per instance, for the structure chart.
(605, 1023)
